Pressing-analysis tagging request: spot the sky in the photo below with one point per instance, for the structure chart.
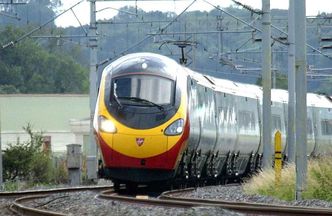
(108, 8)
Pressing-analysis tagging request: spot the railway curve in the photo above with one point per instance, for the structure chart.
(36, 203)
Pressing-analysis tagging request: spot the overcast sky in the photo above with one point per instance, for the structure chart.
(313, 7)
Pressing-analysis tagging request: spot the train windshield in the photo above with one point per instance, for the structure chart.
(144, 90)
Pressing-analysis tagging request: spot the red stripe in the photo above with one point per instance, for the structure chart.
(166, 160)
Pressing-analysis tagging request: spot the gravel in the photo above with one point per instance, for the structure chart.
(86, 203)
(235, 193)
(4, 207)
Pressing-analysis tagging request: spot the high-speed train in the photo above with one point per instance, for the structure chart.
(158, 121)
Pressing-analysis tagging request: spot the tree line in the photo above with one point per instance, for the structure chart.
(61, 65)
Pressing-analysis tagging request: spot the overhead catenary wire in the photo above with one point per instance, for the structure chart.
(79, 22)
(242, 21)
(15, 16)
(160, 30)
(282, 31)
(13, 42)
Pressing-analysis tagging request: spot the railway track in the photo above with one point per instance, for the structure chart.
(51, 191)
(21, 197)
(170, 198)
(166, 199)
(244, 207)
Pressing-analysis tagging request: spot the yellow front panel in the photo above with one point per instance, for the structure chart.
(127, 145)
(155, 142)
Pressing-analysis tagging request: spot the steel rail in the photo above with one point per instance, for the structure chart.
(247, 207)
(50, 191)
(17, 207)
(110, 194)
(171, 199)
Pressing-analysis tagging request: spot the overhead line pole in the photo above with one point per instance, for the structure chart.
(266, 71)
(275, 27)
(301, 98)
(291, 84)
(93, 44)
(1, 167)
(308, 45)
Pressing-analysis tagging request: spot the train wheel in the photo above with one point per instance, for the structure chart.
(116, 186)
(131, 187)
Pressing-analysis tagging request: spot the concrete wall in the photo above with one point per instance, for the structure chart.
(62, 117)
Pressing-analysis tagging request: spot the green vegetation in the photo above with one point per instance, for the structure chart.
(319, 182)
(30, 163)
(281, 81)
(60, 64)
(28, 68)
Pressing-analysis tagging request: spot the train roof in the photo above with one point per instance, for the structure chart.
(316, 100)
(254, 91)
(226, 86)
(279, 95)
(313, 100)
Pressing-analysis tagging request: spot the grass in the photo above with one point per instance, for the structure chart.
(319, 182)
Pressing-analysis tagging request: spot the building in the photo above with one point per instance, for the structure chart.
(62, 118)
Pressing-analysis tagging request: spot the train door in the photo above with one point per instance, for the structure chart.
(248, 131)
(324, 125)
(226, 122)
(277, 111)
(311, 143)
(194, 116)
(285, 123)
(209, 128)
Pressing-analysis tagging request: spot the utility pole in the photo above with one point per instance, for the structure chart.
(220, 41)
(266, 70)
(1, 168)
(93, 44)
(301, 98)
(291, 84)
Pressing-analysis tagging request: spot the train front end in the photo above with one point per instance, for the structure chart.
(140, 120)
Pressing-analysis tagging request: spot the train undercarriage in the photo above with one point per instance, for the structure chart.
(201, 170)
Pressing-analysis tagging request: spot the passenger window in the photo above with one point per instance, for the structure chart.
(276, 122)
(223, 114)
(247, 120)
(309, 126)
(326, 127)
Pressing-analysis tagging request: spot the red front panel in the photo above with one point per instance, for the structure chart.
(166, 160)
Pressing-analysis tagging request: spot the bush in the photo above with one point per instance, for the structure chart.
(26, 161)
(264, 183)
(60, 171)
(319, 182)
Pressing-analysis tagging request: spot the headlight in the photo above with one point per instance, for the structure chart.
(106, 125)
(175, 128)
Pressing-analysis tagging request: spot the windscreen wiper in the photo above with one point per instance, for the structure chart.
(137, 99)
(117, 101)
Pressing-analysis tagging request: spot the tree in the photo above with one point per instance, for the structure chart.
(29, 68)
(281, 81)
(35, 12)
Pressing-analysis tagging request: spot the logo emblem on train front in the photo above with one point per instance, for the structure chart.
(139, 141)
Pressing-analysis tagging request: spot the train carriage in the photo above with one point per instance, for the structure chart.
(157, 121)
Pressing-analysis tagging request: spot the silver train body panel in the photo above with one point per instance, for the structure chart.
(225, 123)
